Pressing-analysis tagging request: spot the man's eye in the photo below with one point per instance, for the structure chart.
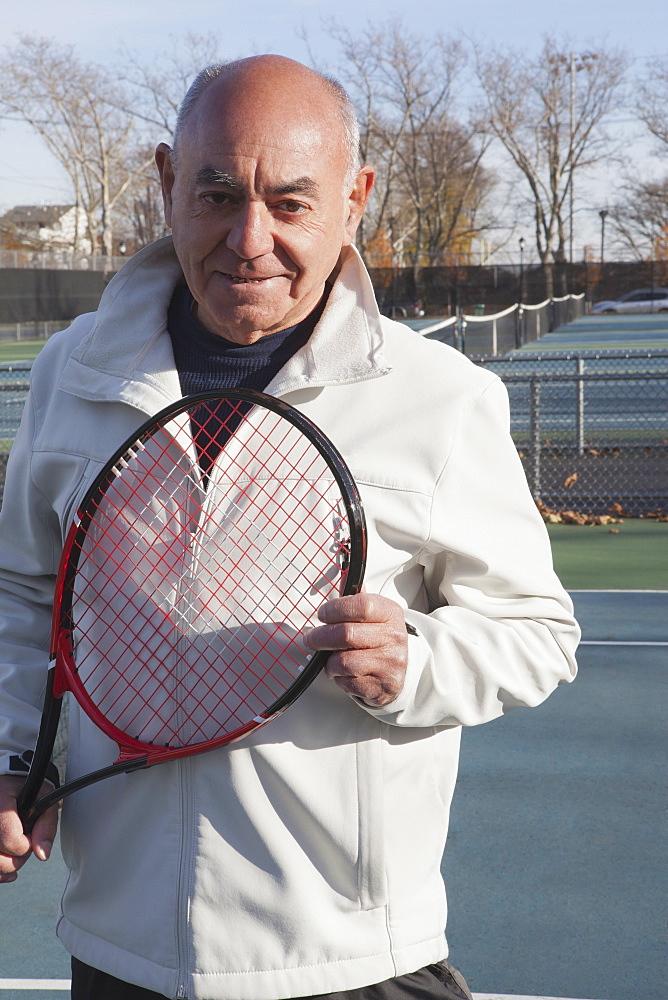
(293, 207)
(216, 197)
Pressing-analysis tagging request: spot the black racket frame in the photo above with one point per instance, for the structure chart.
(30, 807)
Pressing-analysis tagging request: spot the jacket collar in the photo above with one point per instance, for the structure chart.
(127, 355)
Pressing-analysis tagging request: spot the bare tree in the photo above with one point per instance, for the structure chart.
(430, 182)
(72, 105)
(152, 96)
(640, 219)
(157, 90)
(139, 213)
(549, 114)
(652, 101)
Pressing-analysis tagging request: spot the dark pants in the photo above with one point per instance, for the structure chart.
(434, 982)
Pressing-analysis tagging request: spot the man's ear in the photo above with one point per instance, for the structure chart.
(165, 165)
(357, 200)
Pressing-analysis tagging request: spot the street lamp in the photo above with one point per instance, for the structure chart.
(576, 63)
(603, 213)
(520, 311)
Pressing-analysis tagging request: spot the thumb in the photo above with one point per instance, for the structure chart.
(43, 832)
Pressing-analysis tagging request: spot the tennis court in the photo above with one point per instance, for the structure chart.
(556, 838)
(610, 332)
(556, 844)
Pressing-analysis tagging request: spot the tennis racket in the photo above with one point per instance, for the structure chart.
(197, 557)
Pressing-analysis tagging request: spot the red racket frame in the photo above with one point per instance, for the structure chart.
(62, 674)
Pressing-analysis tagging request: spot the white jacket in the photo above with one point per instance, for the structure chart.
(306, 859)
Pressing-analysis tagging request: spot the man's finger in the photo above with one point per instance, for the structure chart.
(346, 635)
(15, 846)
(363, 679)
(359, 608)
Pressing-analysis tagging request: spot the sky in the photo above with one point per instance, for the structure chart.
(100, 29)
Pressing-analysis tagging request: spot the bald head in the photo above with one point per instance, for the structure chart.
(272, 78)
(264, 193)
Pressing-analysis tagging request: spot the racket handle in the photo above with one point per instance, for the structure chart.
(41, 768)
(31, 811)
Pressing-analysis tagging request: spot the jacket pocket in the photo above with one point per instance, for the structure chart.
(371, 879)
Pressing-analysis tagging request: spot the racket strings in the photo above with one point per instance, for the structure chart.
(212, 426)
(188, 619)
(127, 615)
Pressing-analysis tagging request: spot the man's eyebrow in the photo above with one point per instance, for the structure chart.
(209, 175)
(302, 185)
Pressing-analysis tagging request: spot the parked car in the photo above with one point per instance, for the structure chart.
(403, 310)
(639, 301)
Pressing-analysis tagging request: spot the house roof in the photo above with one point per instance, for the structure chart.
(43, 216)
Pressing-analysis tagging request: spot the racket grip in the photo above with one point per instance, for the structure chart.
(41, 767)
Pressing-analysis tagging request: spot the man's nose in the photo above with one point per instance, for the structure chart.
(251, 234)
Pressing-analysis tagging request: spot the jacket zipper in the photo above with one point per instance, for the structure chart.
(184, 876)
(187, 837)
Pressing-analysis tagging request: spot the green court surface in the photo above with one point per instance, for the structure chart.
(22, 350)
(632, 555)
(587, 333)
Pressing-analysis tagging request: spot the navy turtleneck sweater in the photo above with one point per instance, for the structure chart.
(206, 361)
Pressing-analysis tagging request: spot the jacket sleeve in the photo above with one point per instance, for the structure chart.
(30, 539)
(502, 632)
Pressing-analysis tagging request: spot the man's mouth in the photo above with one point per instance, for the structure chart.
(245, 281)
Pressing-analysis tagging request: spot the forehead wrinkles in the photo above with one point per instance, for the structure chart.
(248, 124)
(301, 164)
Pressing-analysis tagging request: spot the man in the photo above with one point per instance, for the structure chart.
(305, 861)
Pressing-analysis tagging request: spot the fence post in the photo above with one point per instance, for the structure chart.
(580, 406)
(461, 327)
(518, 326)
(534, 429)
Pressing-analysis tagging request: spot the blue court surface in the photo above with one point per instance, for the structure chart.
(645, 331)
(557, 844)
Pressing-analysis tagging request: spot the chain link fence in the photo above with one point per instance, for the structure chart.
(59, 260)
(32, 330)
(14, 384)
(591, 428)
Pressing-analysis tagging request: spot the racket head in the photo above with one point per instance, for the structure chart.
(188, 576)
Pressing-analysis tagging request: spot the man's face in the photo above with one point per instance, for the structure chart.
(258, 208)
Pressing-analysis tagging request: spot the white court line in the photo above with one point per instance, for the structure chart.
(621, 642)
(611, 591)
(508, 996)
(64, 985)
(35, 984)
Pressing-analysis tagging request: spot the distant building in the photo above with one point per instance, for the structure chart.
(45, 228)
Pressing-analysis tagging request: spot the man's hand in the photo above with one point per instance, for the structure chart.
(15, 846)
(367, 634)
